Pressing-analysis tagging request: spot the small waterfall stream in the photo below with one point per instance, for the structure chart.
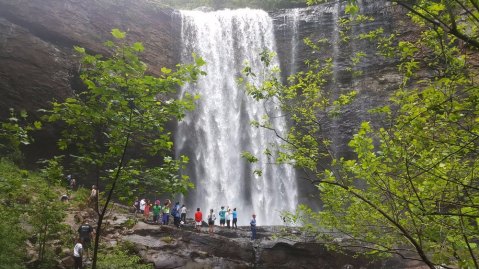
(292, 21)
(219, 130)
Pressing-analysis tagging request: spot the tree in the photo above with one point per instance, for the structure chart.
(46, 212)
(26, 197)
(119, 121)
(412, 189)
(12, 239)
(14, 132)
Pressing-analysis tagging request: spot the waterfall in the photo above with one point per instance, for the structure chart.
(292, 21)
(216, 133)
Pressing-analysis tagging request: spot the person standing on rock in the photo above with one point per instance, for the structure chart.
(156, 212)
(78, 255)
(235, 219)
(146, 212)
(211, 221)
(93, 199)
(229, 218)
(253, 227)
(176, 212)
(136, 205)
(222, 215)
(166, 212)
(85, 232)
(198, 219)
(142, 205)
(183, 213)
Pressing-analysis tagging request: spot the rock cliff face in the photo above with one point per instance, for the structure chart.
(37, 61)
(378, 76)
(38, 64)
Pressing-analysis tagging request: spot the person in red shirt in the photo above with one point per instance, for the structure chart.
(198, 219)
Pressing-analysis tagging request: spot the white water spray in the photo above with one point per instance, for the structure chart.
(219, 130)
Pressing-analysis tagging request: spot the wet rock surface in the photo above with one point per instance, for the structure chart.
(166, 246)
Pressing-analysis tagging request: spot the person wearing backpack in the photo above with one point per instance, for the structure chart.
(211, 221)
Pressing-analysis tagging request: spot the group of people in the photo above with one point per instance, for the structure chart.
(83, 244)
(228, 216)
(161, 215)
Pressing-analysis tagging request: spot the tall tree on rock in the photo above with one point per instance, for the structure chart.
(119, 120)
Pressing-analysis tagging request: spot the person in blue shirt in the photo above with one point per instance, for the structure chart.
(235, 218)
(176, 214)
(253, 227)
(222, 215)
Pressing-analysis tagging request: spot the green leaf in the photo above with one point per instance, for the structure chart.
(249, 157)
(79, 49)
(118, 34)
(138, 46)
(37, 124)
(165, 70)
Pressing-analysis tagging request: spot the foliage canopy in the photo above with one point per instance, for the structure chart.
(412, 189)
(118, 122)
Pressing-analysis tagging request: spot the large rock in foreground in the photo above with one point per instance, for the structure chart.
(169, 247)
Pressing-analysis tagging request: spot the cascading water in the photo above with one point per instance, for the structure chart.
(292, 21)
(219, 130)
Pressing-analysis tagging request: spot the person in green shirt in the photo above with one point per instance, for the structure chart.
(156, 212)
(166, 212)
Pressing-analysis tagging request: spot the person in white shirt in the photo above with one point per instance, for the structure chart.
(229, 218)
(78, 255)
(183, 213)
(142, 205)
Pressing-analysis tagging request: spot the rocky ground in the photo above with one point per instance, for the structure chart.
(166, 246)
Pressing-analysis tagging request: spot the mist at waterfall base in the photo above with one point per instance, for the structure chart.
(215, 134)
